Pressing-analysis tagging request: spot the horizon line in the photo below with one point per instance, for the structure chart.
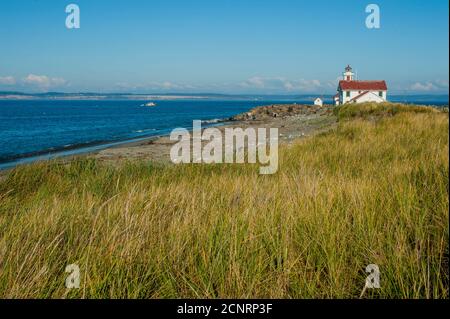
(198, 93)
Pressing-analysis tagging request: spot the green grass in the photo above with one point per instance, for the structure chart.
(369, 192)
(369, 110)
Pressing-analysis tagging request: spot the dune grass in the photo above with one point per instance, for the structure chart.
(369, 192)
(370, 110)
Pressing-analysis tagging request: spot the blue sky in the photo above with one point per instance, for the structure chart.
(242, 46)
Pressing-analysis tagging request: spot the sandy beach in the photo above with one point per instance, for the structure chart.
(293, 122)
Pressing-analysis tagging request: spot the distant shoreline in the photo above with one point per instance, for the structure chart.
(95, 96)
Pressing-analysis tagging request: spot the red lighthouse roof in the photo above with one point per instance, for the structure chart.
(363, 85)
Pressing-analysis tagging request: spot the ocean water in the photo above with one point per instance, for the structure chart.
(39, 129)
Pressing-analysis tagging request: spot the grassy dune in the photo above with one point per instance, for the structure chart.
(373, 191)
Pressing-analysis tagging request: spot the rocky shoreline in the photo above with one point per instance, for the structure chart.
(283, 111)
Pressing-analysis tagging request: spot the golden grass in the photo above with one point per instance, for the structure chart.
(369, 110)
(368, 192)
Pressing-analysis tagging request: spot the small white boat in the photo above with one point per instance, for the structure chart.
(149, 104)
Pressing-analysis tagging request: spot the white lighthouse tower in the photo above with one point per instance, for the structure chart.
(348, 74)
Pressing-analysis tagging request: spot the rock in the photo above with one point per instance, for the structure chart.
(281, 110)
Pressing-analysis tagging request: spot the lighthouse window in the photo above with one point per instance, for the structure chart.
(380, 93)
(347, 94)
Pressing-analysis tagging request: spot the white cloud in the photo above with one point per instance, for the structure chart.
(425, 87)
(430, 86)
(43, 82)
(256, 82)
(281, 84)
(442, 84)
(7, 80)
(302, 85)
(166, 86)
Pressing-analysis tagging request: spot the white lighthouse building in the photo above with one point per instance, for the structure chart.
(354, 91)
